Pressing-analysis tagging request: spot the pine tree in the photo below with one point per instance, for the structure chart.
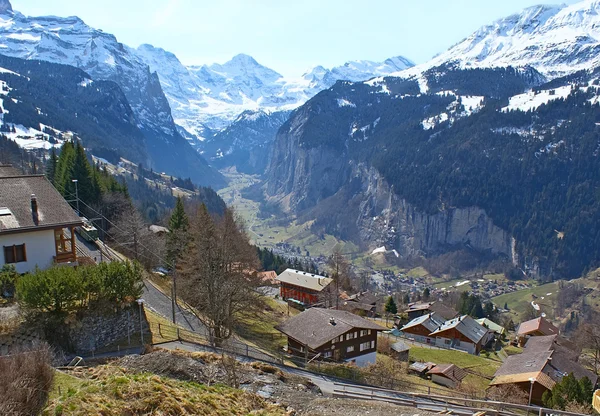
(178, 235)
(426, 293)
(390, 306)
(52, 165)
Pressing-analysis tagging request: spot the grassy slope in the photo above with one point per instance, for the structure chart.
(518, 301)
(472, 362)
(113, 391)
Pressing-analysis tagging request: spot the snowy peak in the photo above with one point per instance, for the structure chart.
(5, 7)
(556, 40)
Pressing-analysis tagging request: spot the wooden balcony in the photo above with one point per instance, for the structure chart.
(65, 246)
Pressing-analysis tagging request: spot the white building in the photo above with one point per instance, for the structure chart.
(36, 223)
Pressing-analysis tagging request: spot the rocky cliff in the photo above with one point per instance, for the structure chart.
(352, 200)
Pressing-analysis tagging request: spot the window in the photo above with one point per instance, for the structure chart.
(14, 254)
(372, 344)
(365, 346)
(350, 348)
(341, 338)
(363, 332)
(327, 354)
(350, 335)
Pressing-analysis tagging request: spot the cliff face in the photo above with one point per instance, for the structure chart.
(324, 183)
(386, 219)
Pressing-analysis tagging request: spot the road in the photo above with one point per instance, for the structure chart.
(158, 302)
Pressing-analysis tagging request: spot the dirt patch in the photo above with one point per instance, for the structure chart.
(348, 407)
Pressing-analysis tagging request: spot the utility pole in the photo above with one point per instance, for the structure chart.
(75, 181)
(174, 296)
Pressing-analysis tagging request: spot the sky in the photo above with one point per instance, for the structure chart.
(288, 36)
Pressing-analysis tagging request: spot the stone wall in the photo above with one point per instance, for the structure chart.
(99, 329)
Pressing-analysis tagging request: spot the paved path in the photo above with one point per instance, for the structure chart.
(158, 302)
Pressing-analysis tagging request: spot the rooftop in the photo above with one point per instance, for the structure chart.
(16, 194)
(304, 279)
(316, 326)
(430, 321)
(449, 371)
(466, 326)
(537, 325)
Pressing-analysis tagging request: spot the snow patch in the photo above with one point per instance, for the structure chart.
(342, 102)
(532, 100)
(379, 250)
(25, 37)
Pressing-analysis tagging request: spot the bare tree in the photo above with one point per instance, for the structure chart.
(588, 336)
(341, 272)
(135, 240)
(217, 272)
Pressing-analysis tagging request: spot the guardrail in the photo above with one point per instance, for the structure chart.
(433, 400)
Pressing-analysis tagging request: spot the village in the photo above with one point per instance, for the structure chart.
(309, 321)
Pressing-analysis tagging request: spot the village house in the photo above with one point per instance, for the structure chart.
(331, 335)
(544, 362)
(363, 303)
(36, 223)
(419, 309)
(535, 328)
(400, 351)
(463, 333)
(305, 288)
(447, 375)
(419, 329)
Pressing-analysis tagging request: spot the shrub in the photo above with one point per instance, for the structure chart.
(25, 381)
(65, 289)
(8, 279)
(508, 393)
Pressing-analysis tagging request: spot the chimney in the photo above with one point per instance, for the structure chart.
(332, 321)
(34, 210)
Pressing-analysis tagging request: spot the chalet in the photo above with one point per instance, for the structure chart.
(462, 333)
(419, 309)
(447, 375)
(419, 329)
(535, 328)
(332, 335)
(306, 288)
(544, 362)
(36, 223)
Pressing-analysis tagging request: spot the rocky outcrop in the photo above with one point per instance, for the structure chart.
(386, 219)
(322, 182)
(5, 7)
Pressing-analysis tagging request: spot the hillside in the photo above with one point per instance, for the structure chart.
(464, 162)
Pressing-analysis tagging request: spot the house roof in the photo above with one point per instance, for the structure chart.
(352, 306)
(364, 297)
(537, 325)
(438, 307)
(304, 279)
(430, 321)
(466, 326)
(449, 371)
(314, 328)
(400, 347)
(561, 365)
(524, 363)
(421, 367)
(491, 325)
(16, 193)
(553, 343)
(538, 376)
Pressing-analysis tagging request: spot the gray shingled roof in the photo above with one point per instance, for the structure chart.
(430, 321)
(304, 279)
(16, 193)
(466, 326)
(313, 328)
(9, 170)
(524, 363)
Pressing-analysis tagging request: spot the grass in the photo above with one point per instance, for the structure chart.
(417, 272)
(518, 301)
(64, 384)
(259, 329)
(108, 390)
(478, 364)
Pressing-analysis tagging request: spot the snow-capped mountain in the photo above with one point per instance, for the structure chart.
(215, 95)
(70, 41)
(556, 40)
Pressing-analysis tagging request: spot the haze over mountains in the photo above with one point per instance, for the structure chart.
(476, 149)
